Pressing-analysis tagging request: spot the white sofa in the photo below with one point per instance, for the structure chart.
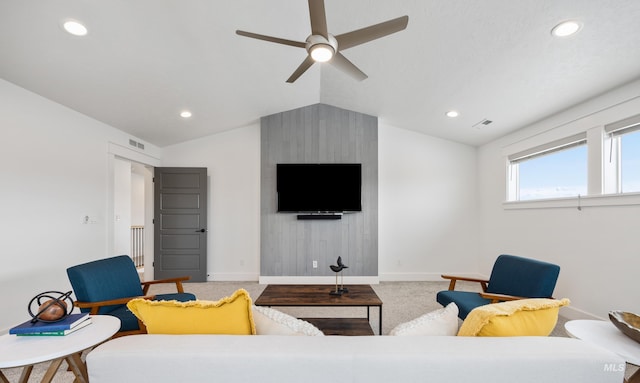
(281, 359)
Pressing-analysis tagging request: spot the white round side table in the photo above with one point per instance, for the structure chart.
(604, 334)
(25, 351)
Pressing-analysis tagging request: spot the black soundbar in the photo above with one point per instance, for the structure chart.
(303, 217)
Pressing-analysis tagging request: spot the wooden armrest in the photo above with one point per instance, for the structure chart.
(467, 279)
(95, 306)
(177, 281)
(454, 279)
(495, 298)
(168, 280)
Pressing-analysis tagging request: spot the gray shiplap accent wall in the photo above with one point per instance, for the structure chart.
(319, 134)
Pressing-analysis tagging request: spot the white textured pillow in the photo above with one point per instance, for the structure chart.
(443, 321)
(273, 322)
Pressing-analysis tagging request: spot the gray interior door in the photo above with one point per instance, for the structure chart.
(180, 223)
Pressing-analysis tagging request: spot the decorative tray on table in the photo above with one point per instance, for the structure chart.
(626, 322)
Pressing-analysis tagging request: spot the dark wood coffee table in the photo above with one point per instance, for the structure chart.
(318, 296)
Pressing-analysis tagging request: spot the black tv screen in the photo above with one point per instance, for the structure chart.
(319, 187)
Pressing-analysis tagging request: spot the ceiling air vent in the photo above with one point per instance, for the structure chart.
(136, 144)
(483, 122)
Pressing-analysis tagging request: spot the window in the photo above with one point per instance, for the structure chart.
(630, 162)
(599, 165)
(554, 170)
(624, 155)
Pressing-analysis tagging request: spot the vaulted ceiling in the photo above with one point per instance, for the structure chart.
(145, 61)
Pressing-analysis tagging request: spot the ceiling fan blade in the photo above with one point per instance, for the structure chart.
(361, 36)
(306, 64)
(318, 18)
(342, 63)
(272, 39)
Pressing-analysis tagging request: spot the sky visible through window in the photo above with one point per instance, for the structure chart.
(630, 162)
(558, 174)
(564, 173)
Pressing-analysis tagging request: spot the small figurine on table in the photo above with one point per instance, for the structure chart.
(338, 269)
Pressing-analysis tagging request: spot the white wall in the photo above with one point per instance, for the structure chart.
(597, 248)
(233, 162)
(54, 171)
(427, 206)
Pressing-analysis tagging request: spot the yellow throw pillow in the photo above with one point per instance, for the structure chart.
(524, 317)
(230, 315)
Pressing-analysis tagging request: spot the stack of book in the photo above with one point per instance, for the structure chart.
(71, 323)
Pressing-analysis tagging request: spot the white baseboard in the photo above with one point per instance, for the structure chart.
(324, 280)
(421, 277)
(572, 313)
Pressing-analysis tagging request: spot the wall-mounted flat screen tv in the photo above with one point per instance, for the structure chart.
(319, 187)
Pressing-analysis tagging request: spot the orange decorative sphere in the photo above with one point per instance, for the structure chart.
(52, 310)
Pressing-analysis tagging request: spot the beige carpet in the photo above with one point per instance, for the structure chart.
(402, 302)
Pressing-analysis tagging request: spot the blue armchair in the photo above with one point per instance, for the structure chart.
(106, 285)
(511, 278)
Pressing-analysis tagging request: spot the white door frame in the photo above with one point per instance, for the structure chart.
(119, 151)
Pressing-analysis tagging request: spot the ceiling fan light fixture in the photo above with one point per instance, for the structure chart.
(322, 46)
(321, 52)
(321, 49)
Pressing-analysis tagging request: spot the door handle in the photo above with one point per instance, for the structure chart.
(201, 231)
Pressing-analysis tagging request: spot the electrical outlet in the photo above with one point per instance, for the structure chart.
(315, 264)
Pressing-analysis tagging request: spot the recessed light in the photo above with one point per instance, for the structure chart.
(566, 28)
(75, 28)
(452, 114)
(185, 114)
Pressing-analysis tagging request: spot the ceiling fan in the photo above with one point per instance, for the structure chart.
(322, 46)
